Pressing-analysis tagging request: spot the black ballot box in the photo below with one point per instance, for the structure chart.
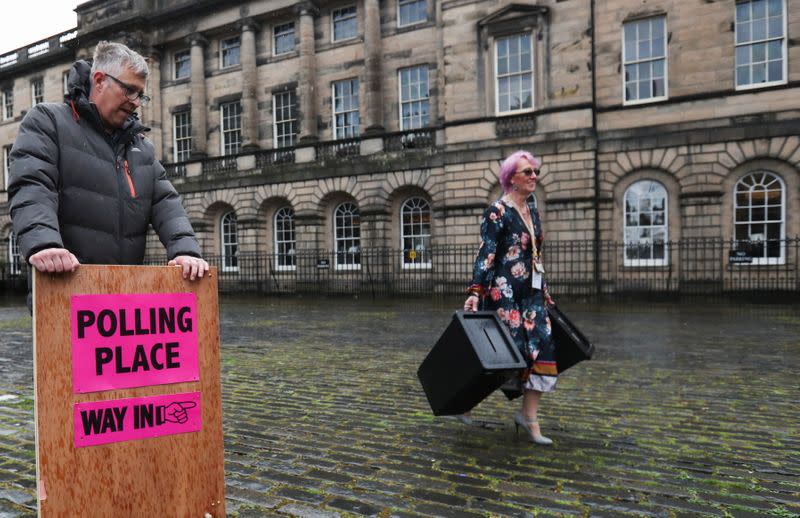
(571, 345)
(472, 358)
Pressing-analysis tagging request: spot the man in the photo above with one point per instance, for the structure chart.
(84, 182)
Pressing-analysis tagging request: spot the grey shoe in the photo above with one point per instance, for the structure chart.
(521, 420)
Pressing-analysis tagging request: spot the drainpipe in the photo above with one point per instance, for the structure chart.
(596, 149)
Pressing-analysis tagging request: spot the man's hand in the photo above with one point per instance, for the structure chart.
(193, 267)
(54, 260)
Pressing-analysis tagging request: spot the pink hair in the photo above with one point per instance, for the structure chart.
(509, 167)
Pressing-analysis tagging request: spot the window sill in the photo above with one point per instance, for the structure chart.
(759, 86)
(640, 102)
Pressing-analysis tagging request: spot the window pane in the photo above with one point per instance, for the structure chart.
(743, 33)
(742, 75)
(759, 73)
(759, 52)
(644, 49)
(775, 50)
(775, 71)
(759, 9)
(742, 12)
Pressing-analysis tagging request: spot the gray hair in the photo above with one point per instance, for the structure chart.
(114, 58)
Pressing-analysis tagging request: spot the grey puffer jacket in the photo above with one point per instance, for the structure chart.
(74, 186)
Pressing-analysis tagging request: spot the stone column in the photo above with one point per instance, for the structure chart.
(151, 114)
(373, 120)
(249, 86)
(198, 87)
(307, 85)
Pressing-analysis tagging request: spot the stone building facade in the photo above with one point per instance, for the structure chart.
(300, 127)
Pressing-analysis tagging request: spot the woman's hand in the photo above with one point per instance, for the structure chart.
(471, 304)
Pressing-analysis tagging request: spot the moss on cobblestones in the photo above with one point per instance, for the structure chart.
(16, 324)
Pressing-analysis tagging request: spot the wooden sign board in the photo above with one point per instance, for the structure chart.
(127, 382)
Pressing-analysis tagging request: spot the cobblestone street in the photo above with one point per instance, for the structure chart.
(687, 409)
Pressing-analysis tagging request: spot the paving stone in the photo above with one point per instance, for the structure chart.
(304, 511)
(16, 496)
(441, 498)
(250, 496)
(299, 494)
(445, 512)
(353, 506)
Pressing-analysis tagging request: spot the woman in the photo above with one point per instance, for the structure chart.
(509, 276)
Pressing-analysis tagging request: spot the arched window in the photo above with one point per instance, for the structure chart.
(646, 234)
(230, 242)
(758, 216)
(347, 235)
(415, 229)
(284, 239)
(14, 260)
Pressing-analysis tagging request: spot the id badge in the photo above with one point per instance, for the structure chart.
(536, 280)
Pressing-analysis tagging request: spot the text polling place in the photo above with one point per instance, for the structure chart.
(127, 382)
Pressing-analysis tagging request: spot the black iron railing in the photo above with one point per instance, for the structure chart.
(710, 266)
(706, 266)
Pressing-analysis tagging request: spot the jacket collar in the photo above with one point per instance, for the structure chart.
(78, 88)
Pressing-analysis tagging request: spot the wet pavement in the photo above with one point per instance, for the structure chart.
(687, 409)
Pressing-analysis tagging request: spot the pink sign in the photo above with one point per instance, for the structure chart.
(120, 420)
(123, 341)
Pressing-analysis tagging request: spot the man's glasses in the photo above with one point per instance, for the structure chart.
(528, 171)
(131, 92)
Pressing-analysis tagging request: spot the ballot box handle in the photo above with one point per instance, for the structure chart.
(489, 338)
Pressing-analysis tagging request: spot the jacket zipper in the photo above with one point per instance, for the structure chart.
(129, 178)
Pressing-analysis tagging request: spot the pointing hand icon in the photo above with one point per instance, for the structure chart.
(176, 412)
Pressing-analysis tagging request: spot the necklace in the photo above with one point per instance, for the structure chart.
(525, 215)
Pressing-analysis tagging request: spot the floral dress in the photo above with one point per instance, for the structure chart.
(502, 274)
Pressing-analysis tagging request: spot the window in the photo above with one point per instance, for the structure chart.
(182, 64)
(646, 234)
(8, 104)
(514, 73)
(230, 243)
(231, 127)
(345, 23)
(229, 52)
(760, 43)
(347, 235)
(759, 216)
(285, 119)
(6, 164)
(65, 81)
(284, 239)
(411, 12)
(182, 135)
(14, 260)
(414, 98)
(345, 109)
(645, 58)
(37, 91)
(415, 217)
(283, 38)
